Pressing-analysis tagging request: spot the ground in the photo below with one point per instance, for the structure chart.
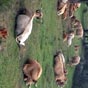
(45, 40)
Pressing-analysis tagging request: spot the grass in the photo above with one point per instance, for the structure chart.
(42, 44)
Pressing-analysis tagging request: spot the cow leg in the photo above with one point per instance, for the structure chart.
(21, 43)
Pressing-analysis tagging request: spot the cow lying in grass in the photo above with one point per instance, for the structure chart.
(32, 71)
(74, 61)
(25, 23)
(59, 69)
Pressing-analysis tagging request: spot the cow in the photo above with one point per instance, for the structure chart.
(32, 71)
(73, 7)
(61, 6)
(75, 60)
(61, 9)
(67, 9)
(68, 37)
(59, 69)
(79, 29)
(76, 47)
(77, 26)
(25, 23)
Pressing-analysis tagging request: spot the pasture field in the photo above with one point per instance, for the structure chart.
(45, 40)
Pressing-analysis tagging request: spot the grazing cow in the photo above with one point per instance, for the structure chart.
(78, 27)
(73, 7)
(61, 6)
(68, 37)
(67, 9)
(59, 69)
(3, 33)
(65, 35)
(61, 10)
(25, 23)
(32, 71)
(65, 14)
(74, 61)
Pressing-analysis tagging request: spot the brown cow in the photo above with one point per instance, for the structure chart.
(78, 27)
(32, 71)
(59, 69)
(61, 9)
(74, 61)
(25, 25)
(70, 9)
(73, 7)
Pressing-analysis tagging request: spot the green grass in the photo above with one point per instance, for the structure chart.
(5, 5)
(42, 44)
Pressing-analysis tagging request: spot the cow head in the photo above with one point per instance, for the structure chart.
(38, 14)
(61, 81)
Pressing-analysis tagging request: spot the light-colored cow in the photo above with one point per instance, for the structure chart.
(3, 33)
(32, 71)
(74, 61)
(25, 22)
(59, 69)
(66, 9)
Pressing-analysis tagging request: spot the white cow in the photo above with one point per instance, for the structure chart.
(25, 22)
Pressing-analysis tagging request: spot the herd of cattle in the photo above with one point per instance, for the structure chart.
(32, 70)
